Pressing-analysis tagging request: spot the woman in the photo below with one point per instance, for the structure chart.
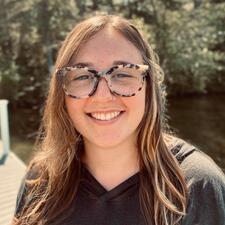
(104, 157)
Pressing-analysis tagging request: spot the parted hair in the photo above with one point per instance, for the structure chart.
(56, 162)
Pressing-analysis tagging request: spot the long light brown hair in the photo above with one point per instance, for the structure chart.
(57, 165)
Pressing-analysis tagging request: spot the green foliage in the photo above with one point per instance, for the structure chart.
(189, 37)
(194, 62)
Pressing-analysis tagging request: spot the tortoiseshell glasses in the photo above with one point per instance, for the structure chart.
(123, 80)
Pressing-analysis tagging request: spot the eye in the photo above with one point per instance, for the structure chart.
(122, 75)
(82, 77)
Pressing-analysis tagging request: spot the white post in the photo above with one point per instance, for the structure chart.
(4, 126)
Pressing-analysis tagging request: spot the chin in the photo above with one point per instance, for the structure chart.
(107, 143)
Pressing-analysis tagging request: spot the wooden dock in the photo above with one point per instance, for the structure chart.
(12, 170)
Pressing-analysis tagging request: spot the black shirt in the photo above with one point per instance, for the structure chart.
(120, 206)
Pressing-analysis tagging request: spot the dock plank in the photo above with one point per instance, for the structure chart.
(11, 174)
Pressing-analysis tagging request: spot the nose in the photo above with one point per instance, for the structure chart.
(103, 92)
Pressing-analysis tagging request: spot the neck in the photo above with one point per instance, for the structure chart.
(112, 165)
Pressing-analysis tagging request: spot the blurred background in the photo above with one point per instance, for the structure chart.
(188, 36)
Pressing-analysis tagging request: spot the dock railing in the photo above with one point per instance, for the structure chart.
(4, 124)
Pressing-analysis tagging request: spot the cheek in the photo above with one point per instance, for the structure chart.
(73, 107)
(136, 106)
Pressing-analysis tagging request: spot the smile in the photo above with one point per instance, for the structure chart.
(105, 116)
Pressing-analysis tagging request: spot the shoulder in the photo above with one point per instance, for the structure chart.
(195, 164)
(206, 185)
(25, 186)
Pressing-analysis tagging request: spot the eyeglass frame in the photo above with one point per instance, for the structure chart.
(61, 72)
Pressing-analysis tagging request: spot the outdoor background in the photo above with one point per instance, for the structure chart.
(188, 36)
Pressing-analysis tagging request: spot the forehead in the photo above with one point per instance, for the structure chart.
(106, 47)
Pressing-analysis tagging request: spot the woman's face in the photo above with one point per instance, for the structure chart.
(101, 52)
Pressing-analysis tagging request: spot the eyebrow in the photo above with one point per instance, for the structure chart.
(88, 64)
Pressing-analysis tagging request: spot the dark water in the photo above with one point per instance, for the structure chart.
(201, 120)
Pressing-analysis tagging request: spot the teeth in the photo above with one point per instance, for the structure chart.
(105, 116)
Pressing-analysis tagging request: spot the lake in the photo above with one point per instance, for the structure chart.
(201, 120)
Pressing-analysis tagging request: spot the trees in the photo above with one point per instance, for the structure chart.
(30, 34)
